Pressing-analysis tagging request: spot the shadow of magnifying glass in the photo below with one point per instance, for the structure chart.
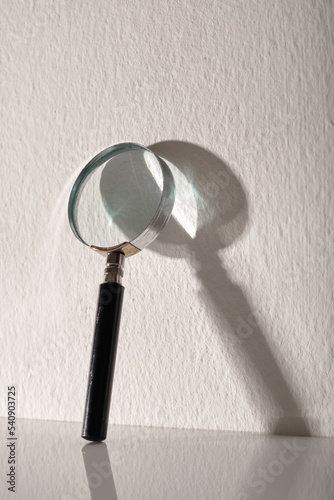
(210, 213)
(98, 470)
(217, 217)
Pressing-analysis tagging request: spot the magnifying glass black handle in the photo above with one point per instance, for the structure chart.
(102, 362)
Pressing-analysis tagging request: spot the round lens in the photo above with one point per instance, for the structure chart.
(116, 196)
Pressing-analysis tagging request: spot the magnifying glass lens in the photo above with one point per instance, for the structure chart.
(117, 198)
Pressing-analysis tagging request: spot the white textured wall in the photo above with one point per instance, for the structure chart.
(231, 329)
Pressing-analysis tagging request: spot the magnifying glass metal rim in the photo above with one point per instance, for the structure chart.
(159, 218)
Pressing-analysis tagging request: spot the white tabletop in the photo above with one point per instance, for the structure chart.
(54, 462)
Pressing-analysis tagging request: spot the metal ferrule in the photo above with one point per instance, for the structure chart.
(114, 270)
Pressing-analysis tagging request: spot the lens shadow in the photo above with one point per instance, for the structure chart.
(222, 217)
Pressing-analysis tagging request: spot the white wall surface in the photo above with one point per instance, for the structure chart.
(231, 329)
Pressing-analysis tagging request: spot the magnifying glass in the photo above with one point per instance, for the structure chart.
(118, 205)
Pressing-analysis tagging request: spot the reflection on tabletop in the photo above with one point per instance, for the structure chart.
(98, 471)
